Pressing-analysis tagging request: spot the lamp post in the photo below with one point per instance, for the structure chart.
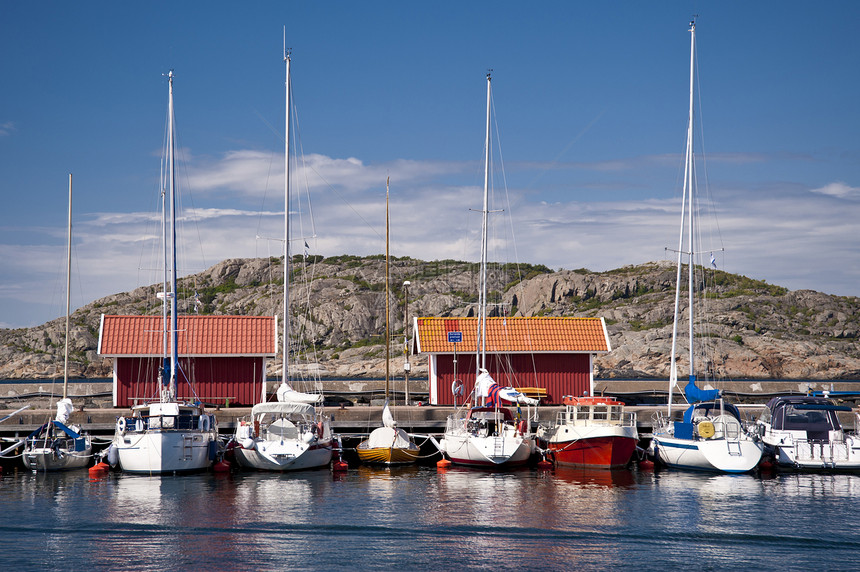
(406, 365)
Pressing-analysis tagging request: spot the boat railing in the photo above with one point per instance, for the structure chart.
(56, 443)
(817, 450)
(175, 422)
(596, 415)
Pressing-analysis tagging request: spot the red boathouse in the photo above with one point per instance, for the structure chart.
(222, 358)
(548, 356)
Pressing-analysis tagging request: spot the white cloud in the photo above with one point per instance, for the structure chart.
(838, 189)
(777, 232)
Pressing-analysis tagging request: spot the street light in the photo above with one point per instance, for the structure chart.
(406, 365)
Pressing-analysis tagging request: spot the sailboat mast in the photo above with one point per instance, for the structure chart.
(387, 294)
(689, 184)
(687, 196)
(68, 294)
(174, 329)
(285, 372)
(165, 343)
(482, 297)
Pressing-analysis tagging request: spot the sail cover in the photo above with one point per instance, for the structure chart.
(287, 394)
(278, 408)
(388, 437)
(695, 394)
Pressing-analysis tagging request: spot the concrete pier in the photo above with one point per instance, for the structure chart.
(356, 409)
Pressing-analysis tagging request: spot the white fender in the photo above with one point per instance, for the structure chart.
(112, 455)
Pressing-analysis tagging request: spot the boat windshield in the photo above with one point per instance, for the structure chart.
(710, 408)
(807, 419)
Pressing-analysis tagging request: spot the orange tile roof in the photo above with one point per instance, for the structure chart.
(514, 335)
(198, 335)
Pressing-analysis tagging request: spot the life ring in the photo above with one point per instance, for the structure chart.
(457, 388)
(121, 425)
(204, 423)
(706, 429)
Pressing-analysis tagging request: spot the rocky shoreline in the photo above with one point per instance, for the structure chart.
(758, 331)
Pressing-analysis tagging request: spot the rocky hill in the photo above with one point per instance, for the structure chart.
(757, 330)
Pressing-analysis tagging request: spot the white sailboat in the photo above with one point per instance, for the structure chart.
(711, 436)
(487, 436)
(57, 446)
(289, 434)
(167, 436)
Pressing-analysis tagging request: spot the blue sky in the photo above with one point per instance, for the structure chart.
(590, 100)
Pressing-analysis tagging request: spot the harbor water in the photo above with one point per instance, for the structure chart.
(418, 518)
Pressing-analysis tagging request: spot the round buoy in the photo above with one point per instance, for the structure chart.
(544, 464)
(99, 468)
(646, 465)
(221, 466)
(443, 464)
(765, 465)
(339, 466)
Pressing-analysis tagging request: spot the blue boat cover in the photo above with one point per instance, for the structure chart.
(683, 430)
(695, 394)
(822, 407)
(66, 430)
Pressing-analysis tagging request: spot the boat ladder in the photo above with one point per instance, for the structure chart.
(734, 447)
(499, 442)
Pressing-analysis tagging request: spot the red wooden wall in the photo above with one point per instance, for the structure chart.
(560, 374)
(214, 379)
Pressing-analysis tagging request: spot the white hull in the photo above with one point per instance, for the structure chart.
(802, 454)
(165, 451)
(50, 459)
(283, 436)
(288, 455)
(491, 451)
(805, 434)
(721, 455)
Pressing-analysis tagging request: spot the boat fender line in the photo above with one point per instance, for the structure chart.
(121, 425)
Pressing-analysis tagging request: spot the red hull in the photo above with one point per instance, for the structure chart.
(600, 452)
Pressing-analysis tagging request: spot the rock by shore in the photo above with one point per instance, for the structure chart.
(757, 330)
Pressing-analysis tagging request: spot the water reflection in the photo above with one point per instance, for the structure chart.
(595, 477)
(415, 517)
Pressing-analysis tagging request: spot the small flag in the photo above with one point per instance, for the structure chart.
(713, 260)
